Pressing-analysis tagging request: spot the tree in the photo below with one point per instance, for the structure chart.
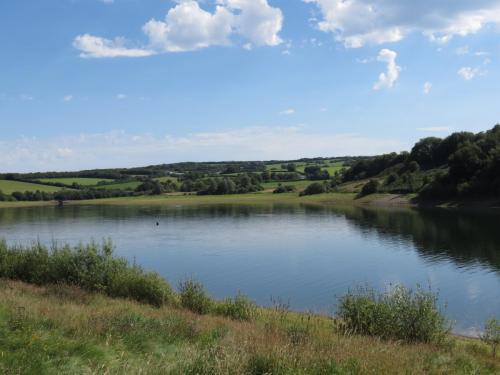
(371, 187)
(314, 172)
(291, 167)
(425, 152)
(315, 188)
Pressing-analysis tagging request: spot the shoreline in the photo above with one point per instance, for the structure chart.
(327, 199)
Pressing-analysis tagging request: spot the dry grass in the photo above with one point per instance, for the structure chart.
(65, 330)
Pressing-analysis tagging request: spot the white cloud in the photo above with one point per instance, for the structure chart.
(121, 96)
(287, 112)
(435, 129)
(67, 98)
(427, 88)
(97, 47)
(188, 27)
(28, 98)
(387, 79)
(107, 1)
(120, 149)
(358, 22)
(256, 20)
(468, 73)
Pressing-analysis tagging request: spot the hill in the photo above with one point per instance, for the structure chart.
(461, 166)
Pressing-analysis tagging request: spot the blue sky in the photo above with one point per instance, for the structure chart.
(96, 83)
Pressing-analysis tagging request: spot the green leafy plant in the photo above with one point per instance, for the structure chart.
(401, 314)
(491, 335)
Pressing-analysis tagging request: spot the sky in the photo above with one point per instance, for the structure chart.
(122, 83)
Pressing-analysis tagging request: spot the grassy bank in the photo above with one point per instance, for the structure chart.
(70, 324)
(59, 329)
(250, 199)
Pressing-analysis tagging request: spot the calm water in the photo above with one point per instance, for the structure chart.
(304, 255)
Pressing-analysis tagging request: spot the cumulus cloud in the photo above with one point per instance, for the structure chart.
(356, 23)
(427, 88)
(388, 78)
(96, 47)
(121, 149)
(188, 27)
(468, 73)
(67, 98)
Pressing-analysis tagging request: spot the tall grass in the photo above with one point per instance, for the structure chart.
(91, 267)
(402, 314)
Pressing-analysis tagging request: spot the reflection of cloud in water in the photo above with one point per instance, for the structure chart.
(473, 291)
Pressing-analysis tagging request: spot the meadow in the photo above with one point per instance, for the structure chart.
(9, 187)
(75, 180)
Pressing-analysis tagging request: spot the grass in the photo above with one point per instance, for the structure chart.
(331, 166)
(261, 198)
(9, 187)
(167, 178)
(72, 180)
(65, 330)
(300, 185)
(130, 185)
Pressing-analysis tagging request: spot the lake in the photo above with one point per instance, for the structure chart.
(302, 255)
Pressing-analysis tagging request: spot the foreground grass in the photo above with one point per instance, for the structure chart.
(61, 329)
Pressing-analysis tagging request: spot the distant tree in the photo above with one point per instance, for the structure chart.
(314, 172)
(291, 167)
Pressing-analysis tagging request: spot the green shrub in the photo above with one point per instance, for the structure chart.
(263, 364)
(401, 314)
(284, 189)
(315, 188)
(194, 297)
(491, 335)
(90, 267)
(371, 187)
(238, 308)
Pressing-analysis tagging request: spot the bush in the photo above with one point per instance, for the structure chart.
(194, 297)
(491, 335)
(315, 188)
(371, 187)
(401, 314)
(239, 308)
(90, 267)
(284, 189)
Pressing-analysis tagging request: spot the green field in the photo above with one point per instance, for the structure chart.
(167, 178)
(130, 185)
(299, 185)
(331, 166)
(9, 187)
(71, 180)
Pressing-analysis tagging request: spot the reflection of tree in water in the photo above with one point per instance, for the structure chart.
(464, 237)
